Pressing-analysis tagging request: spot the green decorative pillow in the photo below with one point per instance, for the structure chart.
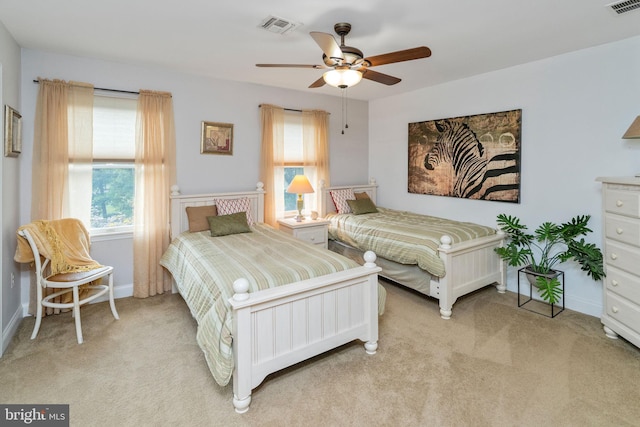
(223, 225)
(362, 206)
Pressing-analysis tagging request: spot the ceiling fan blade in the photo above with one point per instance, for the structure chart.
(328, 44)
(315, 67)
(399, 56)
(317, 83)
(380, 78)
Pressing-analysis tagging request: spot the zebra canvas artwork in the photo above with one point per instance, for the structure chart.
(473, 157)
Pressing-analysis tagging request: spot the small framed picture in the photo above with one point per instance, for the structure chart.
(12, 132)
(217, 138)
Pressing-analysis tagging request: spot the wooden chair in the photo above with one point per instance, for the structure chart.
(68, 283)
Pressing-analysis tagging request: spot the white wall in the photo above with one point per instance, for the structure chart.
(10, 313)
(575, 108)
(196, 99)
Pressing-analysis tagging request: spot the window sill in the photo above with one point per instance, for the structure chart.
(102, 236)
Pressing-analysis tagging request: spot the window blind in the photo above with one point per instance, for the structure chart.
(114, 128)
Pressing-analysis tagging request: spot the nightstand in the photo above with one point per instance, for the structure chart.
(309, 230)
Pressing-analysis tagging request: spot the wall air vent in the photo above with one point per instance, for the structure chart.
(277, 25)
(625, 6)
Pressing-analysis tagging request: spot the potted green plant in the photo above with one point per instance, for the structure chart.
(549, 245)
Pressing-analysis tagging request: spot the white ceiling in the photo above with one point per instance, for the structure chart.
(221, 39)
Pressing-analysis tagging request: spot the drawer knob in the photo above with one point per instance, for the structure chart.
(619, 230)
(614, 309)
(614, 256)
(313, 238)
(619, 203)
(614, 283)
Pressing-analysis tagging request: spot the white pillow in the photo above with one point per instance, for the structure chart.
(231, 206)
(340, 198)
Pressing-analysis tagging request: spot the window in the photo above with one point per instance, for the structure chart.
(294, 162)
(290, 199)
(112, 195)
(292, 142)
(113, 174)
(293, 159)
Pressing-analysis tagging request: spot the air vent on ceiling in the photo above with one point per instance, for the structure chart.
(278, 25)
(625, 6)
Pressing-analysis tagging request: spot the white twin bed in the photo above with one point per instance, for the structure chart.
(468, 262)
(250, 334)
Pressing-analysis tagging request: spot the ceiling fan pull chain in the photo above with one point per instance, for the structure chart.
(346, 108)
(345, 125)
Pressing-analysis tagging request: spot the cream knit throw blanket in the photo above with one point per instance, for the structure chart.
(65, 242)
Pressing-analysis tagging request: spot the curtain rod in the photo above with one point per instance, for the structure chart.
(105, 89)
(289, 109)
(285, 109)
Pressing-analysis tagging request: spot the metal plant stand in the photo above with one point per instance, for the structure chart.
(555, 309)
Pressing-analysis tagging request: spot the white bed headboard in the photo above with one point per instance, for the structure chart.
(326, 202)
(179, 204)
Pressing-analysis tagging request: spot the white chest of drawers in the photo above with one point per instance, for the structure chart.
(312, 231)
(621, 230)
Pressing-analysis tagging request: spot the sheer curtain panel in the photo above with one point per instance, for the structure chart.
(155, 173)
(61, 162)
(315, 149)
(272, 161)
(62, 151)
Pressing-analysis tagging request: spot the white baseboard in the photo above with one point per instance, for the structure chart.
(10, 330)
(584, 306)
(122, 291)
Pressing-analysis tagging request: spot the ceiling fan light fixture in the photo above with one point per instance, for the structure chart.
(342, 78)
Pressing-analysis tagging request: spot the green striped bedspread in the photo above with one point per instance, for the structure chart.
(403, 237)
(205, 268)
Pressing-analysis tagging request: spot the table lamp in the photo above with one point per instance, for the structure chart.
(634, 130)
(633, 133)
(300, 185)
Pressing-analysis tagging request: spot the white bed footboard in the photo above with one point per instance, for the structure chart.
(470, 266)
(279, 327)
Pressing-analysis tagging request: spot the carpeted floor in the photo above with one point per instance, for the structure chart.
(492, 364)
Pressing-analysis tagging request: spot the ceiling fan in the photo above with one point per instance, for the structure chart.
(348, 64)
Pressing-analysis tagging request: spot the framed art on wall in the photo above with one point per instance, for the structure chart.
(217, 138)
(471, 157)
(12, 132)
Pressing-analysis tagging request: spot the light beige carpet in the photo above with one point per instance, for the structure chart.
(492, 364)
